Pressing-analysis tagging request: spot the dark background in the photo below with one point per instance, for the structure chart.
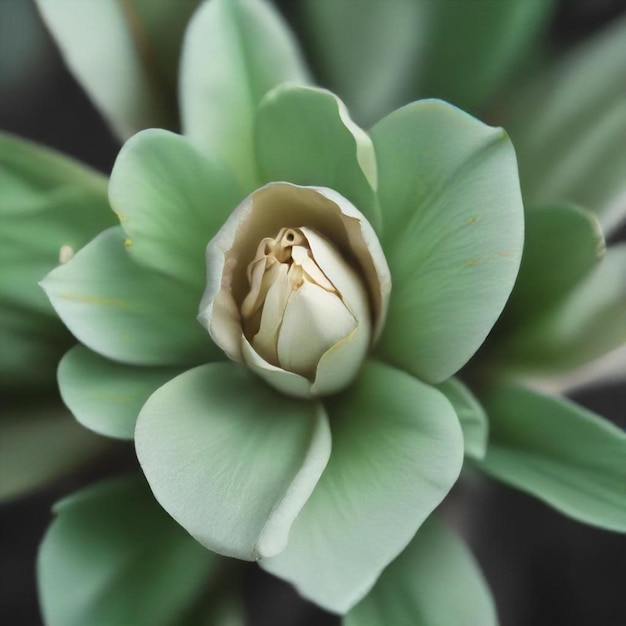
(545, 570)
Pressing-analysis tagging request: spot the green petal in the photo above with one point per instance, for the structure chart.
(124, 55)
(470, 50)
(397, 451)
(356, 48)
(112, 556)
(559, 452)
(304, 135)
(569, 124)
(471, 415)
(40, 444)
(434, 582)
(230, 459)
(171, 201)
(47, 202)
(234, 52)
(588, 324)
(562, 245)
(452, 232)
(124, 312)
(104, 396)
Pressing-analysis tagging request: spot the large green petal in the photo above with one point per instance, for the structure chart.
(40, 444)
(559, 452)
(589, 323)
(569, 124)
(562, 245)
(171, 200)
(471, 415)
(48, 202)
(112, 556)
(366, 55)
(434, 582)
(105, 396)
(304, 135)
(234, 52)
(397, 451)
(452, 232)
(230, 459)
(125, 312)
(124, 54)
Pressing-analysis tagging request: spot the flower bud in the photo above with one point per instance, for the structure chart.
(297, 288)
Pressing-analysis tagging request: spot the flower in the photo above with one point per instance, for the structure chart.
(324, 489)
(299, 314)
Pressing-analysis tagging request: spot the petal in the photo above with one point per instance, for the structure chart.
(39, 444)
(234, 52)
(142, 38)
(559, 452)
(105, 396)
(568, 127)
(171, 201)
(471, 414)
(304, 135)
(588, 324)
(452, 232)
(231, 460)
(112, 556)
(435, 581)
(125, 312)
(397, 451)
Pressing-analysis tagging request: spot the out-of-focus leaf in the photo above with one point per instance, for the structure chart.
(366, 53)
(569, 124)
(587, 324)
(434, 582)
(39, 444)
(125, 55)
(559, 452)
(112, 556)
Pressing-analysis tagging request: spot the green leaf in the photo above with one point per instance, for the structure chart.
(47, 202)
(589, 323)
(452, 232)
(559, 452)
(125, 312)
(234, 52)
(124, 54)
(562, 245)
(357, 48)
(471, 415)
(397, 451)
(230, 459)
(112, 556)
(569, 124)
(104, 396)
(40, 444)
(434, 582)
(171, 200)
(304, 135)
(469, 50)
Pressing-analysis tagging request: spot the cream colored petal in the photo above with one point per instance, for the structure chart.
(314, 321)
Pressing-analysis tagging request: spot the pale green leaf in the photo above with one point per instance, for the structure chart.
(434, 582)
(234, 52)
(397, 451)
(452, 232)
(230, 459)
(559, 452)
(105, 396)
(125, 312)
(113, 556)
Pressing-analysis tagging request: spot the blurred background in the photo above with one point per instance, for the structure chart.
(544, 569)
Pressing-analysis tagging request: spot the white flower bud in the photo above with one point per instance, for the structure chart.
(297, 288)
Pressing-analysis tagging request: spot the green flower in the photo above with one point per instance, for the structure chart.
(245, 469)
